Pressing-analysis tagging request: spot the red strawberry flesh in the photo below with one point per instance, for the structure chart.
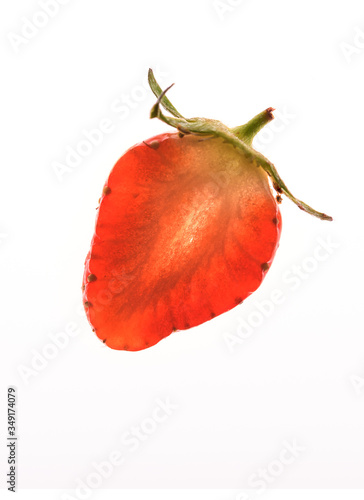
(186, 229)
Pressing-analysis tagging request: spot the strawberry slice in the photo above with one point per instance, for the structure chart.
(186, 229)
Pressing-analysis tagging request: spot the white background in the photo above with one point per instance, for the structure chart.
(299, 375)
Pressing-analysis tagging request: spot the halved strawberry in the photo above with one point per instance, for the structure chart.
(186, 229)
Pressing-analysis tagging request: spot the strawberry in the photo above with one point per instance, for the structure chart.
(187, 228)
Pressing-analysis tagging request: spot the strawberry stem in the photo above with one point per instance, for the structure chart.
(248, 131)
(240, 137)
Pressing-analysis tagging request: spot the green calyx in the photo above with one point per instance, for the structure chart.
(240, 137)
